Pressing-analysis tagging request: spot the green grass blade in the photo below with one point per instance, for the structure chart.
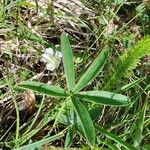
(85, 120)
(38, 144)
(43, 88)
(114, 137)
(103, 97)
(130, 85)
(68, 61)
(93, 70)
(139, 125)
(110, 145)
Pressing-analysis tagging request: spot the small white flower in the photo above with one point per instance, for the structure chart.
(49, 51)
(51, 58)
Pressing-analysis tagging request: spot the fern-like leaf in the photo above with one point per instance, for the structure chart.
(127, 62)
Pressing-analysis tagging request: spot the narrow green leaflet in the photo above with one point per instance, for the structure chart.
(68, 61)
(43, 88)
(114, 137)
(93, 70)
(69, 137)
(103, 97)
(85, 119)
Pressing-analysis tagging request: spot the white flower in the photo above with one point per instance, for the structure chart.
(51, 58)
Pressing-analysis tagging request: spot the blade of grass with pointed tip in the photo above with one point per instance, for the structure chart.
(110, 145)
(114, 137)
(103, 97)
(139, 125)
(68, 61)
(85, 120)
(38, 144)
(130, 85)
(43, 88)
(93, 70)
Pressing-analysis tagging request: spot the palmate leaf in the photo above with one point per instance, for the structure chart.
(43, 88)
(93, 70)
(103, 97)
(85, 120)
(68, 61)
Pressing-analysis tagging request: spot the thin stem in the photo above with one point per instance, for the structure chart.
(36, 116)
(16, 108)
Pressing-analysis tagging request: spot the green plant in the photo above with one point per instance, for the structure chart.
(128, 61)
(74, 94)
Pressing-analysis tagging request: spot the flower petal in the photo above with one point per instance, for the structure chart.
(58, 54)
(44, 58)
(57, 63)
(50, 67)
(49, 51)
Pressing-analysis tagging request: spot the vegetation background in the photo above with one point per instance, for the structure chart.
(85, 31)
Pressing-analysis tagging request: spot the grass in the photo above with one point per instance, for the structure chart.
(106, 51)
